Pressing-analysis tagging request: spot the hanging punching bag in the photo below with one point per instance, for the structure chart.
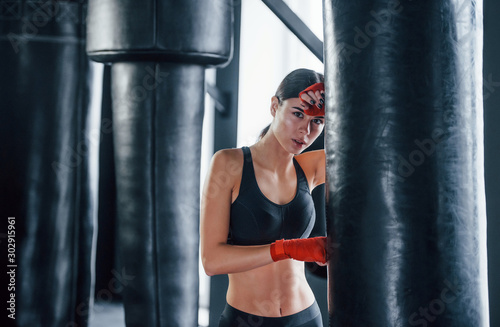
(158, 51)
(49, 145)
(404, 149)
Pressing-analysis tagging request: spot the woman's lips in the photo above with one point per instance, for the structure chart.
(298, 142)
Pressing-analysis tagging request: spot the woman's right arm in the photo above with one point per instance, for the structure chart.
(217, 256)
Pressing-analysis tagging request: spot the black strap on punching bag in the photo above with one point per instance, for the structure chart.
(159, 50)
(404, 144)
(49, 141)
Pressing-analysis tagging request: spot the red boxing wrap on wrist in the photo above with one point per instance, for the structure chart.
(313, 110)
(278, 251)
(304, 249)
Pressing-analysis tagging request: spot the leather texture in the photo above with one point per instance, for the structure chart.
(159, 51)
(47, 178)
(170, 30)
(157, 135)
(405, 163)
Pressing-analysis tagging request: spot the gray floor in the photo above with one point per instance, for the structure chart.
(107, 314)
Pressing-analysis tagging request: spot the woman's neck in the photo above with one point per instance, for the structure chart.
(276, 157)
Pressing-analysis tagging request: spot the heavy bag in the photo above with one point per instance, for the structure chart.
(405, 163)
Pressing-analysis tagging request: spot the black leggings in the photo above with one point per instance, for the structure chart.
(310, 317)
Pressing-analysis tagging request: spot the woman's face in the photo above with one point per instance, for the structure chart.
(294, 130)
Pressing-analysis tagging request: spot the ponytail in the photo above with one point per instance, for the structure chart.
(263, 132)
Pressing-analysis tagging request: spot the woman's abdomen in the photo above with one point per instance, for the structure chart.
(277, 289)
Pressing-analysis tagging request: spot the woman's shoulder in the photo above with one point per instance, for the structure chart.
(229, 160)
(313, 164)
(228, 154)
(311, 157)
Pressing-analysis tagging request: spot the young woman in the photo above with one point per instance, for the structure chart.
(257, 213)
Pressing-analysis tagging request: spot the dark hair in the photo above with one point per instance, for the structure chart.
(293, 83)
(297, 81)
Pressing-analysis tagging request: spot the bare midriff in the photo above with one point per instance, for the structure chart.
(275, 290)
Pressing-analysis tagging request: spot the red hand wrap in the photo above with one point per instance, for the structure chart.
(278, 251)
(313, 110)
(302, 249)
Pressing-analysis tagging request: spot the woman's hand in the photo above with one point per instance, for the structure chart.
(303, 249)
(313, 100)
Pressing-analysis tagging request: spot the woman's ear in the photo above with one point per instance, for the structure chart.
(274, 105)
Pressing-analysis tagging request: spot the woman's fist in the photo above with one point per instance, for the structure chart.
(302, 249)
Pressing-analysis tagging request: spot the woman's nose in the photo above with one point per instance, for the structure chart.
(305, 126)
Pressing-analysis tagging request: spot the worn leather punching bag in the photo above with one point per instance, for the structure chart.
(404, 146)
(49, 144)
(159, 51)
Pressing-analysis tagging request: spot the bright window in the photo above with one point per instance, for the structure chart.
(268, 52)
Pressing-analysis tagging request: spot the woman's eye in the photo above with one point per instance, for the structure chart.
(298, 114)
(318, 121)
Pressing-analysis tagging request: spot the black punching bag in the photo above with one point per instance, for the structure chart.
(158, 51)
(404, 144)
(49, 144)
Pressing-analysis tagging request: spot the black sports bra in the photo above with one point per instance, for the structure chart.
(256, 220)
